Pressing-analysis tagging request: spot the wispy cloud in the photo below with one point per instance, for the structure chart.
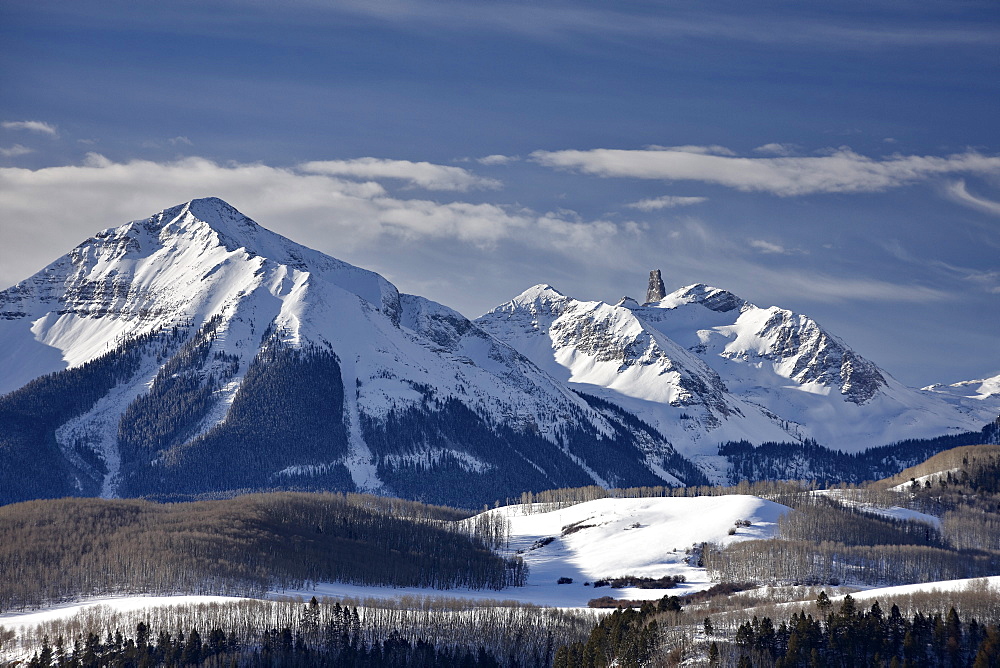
(31, 126)
(958, 192)
(710, 22)
(497, 159)
(988, 280)
(711, 149)
(422, 174)
(771, 248)
(704, 252)
(665, 202)
(843, 171)
(827, 288)
(15, 151)
(180, 140)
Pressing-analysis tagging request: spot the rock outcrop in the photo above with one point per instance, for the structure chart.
(656, 290)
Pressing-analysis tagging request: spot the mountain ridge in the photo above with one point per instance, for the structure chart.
(223, 314)
(771, 363)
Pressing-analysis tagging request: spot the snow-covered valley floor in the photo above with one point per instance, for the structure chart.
(604, 538)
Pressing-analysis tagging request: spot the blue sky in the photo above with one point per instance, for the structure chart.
(840, 159)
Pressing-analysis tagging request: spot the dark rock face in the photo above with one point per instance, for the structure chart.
(821, 358)
(656, 291)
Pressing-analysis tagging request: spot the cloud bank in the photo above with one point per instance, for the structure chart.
(53, 208)
(48, 210)
(844, 171)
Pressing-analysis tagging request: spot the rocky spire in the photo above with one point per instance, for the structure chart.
(655, 292)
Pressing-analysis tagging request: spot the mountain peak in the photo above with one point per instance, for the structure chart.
(210, 209)
(628, 302)
(180, 264)
(234, 230)
(715, 299)
(542, 291)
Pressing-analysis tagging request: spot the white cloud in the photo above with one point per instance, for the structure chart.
(844, 171)
(958, 192)
(31, 126)
(15, 151)
(665, 202)
(422, 174)
(776, 149)
(180, 140)
(497, 159)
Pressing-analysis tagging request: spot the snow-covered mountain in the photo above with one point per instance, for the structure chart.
(705, 367)
(196, 352)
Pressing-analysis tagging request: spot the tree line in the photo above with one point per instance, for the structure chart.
(666, 633)
(405, 632)
(62, 549)
(852, 636)
(778, 491)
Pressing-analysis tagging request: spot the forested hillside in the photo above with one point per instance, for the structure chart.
(812, 461)
(287, 396)
(63, 549)
(845, 536)
(975, 467)
(33, 464)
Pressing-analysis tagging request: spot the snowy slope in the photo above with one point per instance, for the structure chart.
(705, 366)
(647, 537)
(611, 537)
(211, 291)
(980, 396)
(969, 584)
